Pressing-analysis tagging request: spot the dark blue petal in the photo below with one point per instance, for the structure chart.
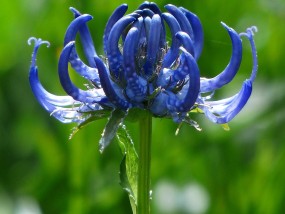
(181, 18)
(187, 42)
(68, 86)
(108, 88)
(74, 27)
(153, 45)
(117, 14)
(137, 14)
(139, 24)
(136, 86)
(150, 5)
(86, 39)
(113, 53)
(153, 7)
(147, 13)
(172, 53)
(183, 102)
(208, 85)
(198, 34)
(223, 111)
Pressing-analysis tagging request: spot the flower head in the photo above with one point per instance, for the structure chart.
(141, 69)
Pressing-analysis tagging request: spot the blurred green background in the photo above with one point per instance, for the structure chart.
(212, 171)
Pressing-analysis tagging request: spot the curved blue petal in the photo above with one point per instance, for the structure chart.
(198, 34)
(153, 7)
(147, 24)
(68, 86)
(108, 88)
(82, 69)
(249, 35)
(187, 42)
(181, 18)
(168, 78)
(147, 13)
(185, 101)
(150, 5)
(50, 102)
(139, 25)
(208, 85)
(116, 15)
(70, 35)
(173, 52)
(113, 53)
(86, 39)
(35, 82)
(75, 12)
(225, 110)
(136, 86)
(153, 45)
(74, 27)
(53, 104)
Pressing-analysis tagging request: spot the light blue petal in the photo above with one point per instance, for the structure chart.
(223, 111)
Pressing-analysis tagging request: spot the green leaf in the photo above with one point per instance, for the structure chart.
(111, 128)
(90, 117)
(129, 165)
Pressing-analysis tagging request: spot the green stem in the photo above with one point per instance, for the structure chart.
(76, 199)
(143, 206)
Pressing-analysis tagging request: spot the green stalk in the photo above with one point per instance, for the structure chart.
(76, 198)
(143, 206)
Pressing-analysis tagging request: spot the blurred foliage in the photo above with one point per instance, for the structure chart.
(241, 170)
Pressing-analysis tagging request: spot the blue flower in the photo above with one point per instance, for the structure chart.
(141, 69)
